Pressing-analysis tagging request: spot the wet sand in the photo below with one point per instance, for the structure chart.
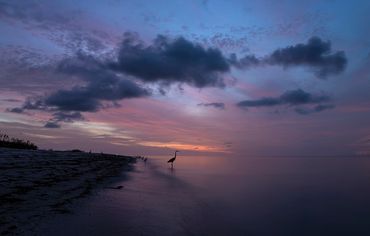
(35, 185)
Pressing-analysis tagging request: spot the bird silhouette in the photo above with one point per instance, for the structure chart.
(172, 159)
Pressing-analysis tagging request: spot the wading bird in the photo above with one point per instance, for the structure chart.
(172, 159)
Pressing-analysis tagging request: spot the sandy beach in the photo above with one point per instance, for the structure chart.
(35, 185)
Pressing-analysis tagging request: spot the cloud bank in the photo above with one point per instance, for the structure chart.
(218, 105)
(166, 61)
(100, 85)
(171, 60)
(316, 54)
(292, 98)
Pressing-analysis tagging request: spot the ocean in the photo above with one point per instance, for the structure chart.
(229, 196)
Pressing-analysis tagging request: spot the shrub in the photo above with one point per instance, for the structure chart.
(76, 150)
(7, 142)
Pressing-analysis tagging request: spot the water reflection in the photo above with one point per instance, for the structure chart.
(238, 196)
(172, 171)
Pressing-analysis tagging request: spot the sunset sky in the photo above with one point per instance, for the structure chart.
(204, 77)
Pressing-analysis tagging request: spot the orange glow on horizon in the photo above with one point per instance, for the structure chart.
(183, 146)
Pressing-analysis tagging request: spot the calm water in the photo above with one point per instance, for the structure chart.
(230, 196)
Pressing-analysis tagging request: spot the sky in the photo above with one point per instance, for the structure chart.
(204, 77)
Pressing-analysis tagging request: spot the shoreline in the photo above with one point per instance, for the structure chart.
(35, 184)
(153, 202)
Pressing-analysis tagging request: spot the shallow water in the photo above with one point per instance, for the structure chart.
(230, 196)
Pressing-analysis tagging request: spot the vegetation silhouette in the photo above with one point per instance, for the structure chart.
(8, 142)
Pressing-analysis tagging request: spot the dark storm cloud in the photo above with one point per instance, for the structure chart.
(100, 85)
(15, 110)
(31, 103)
(291, 98)
(316, 54)
(34, 103)
(299, 97)
(170, 61)
(166, 61)
(218, 105)
(85, 66)
(76, 99)
(63, 117)
(89, 98)
(67, 116)
(263, 102)
(52, 125)
(244, 62)
(318, 108)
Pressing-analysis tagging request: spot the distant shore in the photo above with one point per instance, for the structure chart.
(37, 183)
